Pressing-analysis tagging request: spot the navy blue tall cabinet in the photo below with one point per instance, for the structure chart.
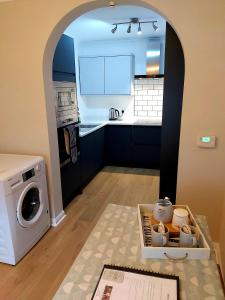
(64, 60)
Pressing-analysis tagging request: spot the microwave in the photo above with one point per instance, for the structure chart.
(66, 107)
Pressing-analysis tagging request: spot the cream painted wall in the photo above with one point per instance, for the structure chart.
(26, 26)
(222, 238)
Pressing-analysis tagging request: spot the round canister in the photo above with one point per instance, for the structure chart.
(180, 217)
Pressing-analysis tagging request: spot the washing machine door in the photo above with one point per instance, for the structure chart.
(30, 205)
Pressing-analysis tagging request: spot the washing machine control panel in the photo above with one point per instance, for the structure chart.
(28, 174)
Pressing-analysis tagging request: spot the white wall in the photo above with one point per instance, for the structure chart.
(92, 107)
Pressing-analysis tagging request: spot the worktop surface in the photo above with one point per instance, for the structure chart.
(131, 121)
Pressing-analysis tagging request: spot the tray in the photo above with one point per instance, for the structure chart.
(172, 251)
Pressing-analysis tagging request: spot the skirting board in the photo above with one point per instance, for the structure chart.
(218, 256)
(55, 221)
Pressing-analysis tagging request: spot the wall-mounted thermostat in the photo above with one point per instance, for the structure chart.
(206, 141)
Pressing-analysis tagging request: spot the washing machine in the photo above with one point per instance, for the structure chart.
(24, 208)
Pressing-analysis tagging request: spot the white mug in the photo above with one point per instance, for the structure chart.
(180, 217)
(188, 239)
(159, 239)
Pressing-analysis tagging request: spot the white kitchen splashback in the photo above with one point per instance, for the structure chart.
(148, 99)
(97, 107)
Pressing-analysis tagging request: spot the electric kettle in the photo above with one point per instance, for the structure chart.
(113, 114)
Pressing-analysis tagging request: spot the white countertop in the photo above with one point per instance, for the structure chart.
(131, 121)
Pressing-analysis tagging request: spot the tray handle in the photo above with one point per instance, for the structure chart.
(176, 258)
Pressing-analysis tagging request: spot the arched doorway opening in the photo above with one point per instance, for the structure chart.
(167, 187)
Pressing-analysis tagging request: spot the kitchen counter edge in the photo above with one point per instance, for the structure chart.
(122, 123)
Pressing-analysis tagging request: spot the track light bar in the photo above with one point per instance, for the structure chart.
(135, 21)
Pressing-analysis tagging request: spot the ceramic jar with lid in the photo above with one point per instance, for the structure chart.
(163, 210)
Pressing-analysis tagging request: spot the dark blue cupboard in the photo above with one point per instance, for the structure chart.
(64, 60)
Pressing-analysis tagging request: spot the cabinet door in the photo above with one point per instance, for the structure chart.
(146, 146)
(92, 154)
(118, 145)
(91, 75)
(70, 182)
(118, 75)
(64, 60)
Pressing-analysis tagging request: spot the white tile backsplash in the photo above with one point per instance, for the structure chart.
(148, 98)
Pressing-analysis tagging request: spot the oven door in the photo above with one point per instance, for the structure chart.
(64, 156)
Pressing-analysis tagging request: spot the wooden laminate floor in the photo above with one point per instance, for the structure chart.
(42, 270)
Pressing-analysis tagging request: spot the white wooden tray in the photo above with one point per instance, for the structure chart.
(171, 252)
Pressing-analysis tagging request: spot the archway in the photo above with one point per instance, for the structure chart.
(47, 72)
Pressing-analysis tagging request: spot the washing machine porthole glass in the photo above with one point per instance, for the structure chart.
(30, 204)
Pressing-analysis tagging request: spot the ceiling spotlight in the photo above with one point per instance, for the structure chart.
(114, 29)
(139, 29)
(112, 3)
(129, 29)
(155, 27)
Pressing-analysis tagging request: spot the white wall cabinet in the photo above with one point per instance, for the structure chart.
(106, 75)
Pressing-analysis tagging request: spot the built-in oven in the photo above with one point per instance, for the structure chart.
(68, 139)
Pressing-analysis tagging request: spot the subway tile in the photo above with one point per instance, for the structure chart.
(137, 107)
(138, 87)
(142, 102)
(139, 98)
(157, 97)
(157, 107)
(152, 113)
(158, 87)
(160, 92)
(148, 86)
(147, 97)
(142, 113)
(160, 102)
(159, 113)
(138, 81)
(153, 92)
(142, 93)
(152, 102)
(148, 107)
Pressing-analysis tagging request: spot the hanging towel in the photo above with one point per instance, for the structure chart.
(71, 142)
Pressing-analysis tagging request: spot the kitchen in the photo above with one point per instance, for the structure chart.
(119, 87)
(197, 184)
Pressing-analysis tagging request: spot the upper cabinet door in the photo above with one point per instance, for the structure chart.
(64, 60)
(118, 75)
(92, 75)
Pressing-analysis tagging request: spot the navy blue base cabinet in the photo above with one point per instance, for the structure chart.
(92, 155)
(133, 146)
(70, 182)
(64, 60)
(118, 145)
(146, 146)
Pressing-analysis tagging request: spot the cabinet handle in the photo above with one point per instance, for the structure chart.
(176, 258)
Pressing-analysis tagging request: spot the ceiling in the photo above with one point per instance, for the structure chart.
(97, 24)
